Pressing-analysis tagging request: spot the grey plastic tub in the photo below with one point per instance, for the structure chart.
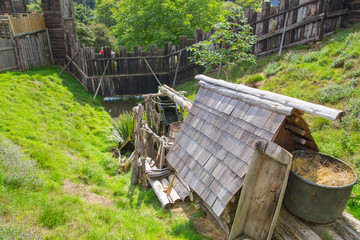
(313, 202)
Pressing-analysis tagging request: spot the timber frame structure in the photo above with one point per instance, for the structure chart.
(208, 160)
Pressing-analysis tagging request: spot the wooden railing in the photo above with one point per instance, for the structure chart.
(26, 23)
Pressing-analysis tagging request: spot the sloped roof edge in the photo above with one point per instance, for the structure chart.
(269, 100)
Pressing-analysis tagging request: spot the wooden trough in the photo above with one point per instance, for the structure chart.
(213, 150)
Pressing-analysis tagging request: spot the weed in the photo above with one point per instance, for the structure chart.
(338, 63)
(254, 79)
(292, 57)
(15, 169)
(311, 57)
(124, 129)
(335, 93)
(185, 229)
(273, 68)
(349, 64)
(52, 216)
(14, 233)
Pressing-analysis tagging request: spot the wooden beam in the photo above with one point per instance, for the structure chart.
(273, 98)
(67, 65)
(250, 99)
(176, 97)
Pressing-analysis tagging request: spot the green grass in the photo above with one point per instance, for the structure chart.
(326, 73)
(51, 129)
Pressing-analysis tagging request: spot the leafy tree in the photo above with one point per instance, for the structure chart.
(146, 22)
(102, 36)
(104, 12)
(252, 4)
(34, 5)
(85, 34)
(230, 45)
(83, 13)
(88, 3)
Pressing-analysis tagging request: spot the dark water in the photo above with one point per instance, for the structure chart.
(116, 106)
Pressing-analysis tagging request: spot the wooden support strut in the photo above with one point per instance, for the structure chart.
(67, 65)
(102, 77)
(152, 72)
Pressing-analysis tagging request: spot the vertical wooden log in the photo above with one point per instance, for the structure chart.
(198, 35)
(107, 55)
(155, 61)
(266, 7)
(134, 172)
(139, 66)
(122, 63)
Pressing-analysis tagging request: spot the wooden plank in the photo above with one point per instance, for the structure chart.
(262, 193)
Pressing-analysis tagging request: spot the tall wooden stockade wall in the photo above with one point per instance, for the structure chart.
(24, 42)
(128, 73)
(297, 22)
(12, 6)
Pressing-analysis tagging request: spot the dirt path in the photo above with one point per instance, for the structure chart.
(85, 193)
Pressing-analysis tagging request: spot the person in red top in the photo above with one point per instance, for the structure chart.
(102, 50)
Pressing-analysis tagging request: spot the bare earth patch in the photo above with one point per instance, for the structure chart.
(85, 193)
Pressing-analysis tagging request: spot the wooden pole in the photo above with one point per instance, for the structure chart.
(50, 48)
(153, 72)
(177, 68)
(176, 97)
(67, 65)
(102, 77)
(283, 34)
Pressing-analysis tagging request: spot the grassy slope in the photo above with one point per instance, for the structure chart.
(62, 133)
(326, 73)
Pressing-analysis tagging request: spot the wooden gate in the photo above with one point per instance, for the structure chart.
(7, 55)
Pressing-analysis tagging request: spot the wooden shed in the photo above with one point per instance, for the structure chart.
(213, 149)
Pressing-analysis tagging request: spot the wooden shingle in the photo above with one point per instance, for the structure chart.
(216, 142)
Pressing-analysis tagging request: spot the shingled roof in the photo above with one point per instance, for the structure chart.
(216, 142)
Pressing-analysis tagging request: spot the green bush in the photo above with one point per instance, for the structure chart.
(273, 68)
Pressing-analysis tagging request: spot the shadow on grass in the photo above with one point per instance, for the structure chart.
(79, 92)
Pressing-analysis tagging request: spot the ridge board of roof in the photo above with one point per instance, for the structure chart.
(250, 99)
(319, 110)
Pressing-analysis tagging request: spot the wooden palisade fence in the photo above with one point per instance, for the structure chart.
(25, 42)
(129, 73)
(295, 22)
